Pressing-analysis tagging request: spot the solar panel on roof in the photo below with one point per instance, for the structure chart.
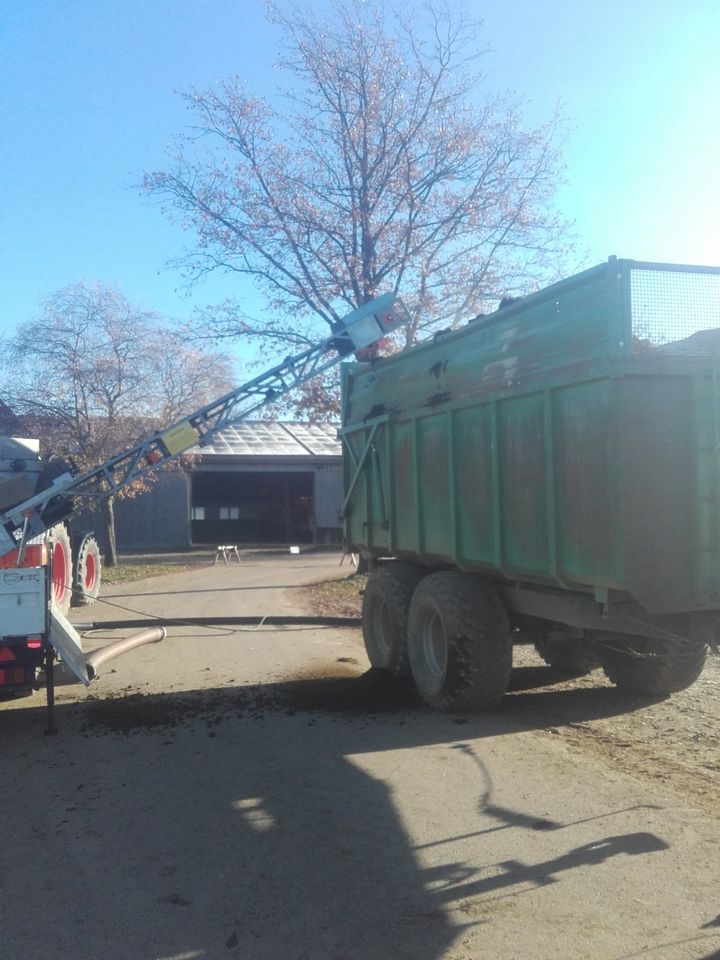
(275, 438)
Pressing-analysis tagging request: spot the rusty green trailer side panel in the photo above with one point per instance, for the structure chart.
(567, 441)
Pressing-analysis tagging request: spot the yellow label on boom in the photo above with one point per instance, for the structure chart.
(180, 437)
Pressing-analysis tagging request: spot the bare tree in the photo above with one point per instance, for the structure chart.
(382, 167)
(184, 375)
(93, 374)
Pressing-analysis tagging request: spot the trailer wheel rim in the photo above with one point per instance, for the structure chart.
(434, 646)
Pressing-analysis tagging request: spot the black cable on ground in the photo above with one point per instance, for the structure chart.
(257, 621)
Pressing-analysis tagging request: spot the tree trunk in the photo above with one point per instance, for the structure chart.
(109, 517)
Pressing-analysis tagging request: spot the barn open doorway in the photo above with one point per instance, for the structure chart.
(252, 507)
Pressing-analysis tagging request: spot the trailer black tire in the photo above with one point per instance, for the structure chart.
(459, 642)
(385, 608)
(86, 571)
(569, 651)
(651, 665)
(62, 567)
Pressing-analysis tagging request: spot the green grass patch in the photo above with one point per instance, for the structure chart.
(128, 572)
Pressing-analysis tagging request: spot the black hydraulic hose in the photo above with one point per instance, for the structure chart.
(269, 621)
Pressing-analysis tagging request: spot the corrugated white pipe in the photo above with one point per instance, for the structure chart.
(112, 650)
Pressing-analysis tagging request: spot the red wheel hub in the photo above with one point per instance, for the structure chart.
(61, 572)
(90, 571)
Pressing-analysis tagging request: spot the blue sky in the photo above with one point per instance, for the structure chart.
(90, 100)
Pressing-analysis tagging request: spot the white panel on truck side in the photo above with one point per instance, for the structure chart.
(23, 601)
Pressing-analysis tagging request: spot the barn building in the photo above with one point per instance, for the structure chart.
(260, 482)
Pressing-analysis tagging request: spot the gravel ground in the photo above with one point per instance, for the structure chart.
(261, 794)
(674, 741)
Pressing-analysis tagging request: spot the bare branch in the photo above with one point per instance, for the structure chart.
(381, 166)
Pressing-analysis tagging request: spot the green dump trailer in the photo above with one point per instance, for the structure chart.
(548, 473)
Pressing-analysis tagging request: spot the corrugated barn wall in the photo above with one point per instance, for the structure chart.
(259, 482)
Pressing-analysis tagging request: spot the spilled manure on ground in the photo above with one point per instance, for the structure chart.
(337, 691)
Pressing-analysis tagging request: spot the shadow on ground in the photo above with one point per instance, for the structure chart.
(234, 823)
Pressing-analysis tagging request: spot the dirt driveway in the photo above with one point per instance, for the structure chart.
(259, 794)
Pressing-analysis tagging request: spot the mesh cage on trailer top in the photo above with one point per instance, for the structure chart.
(675, 310)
